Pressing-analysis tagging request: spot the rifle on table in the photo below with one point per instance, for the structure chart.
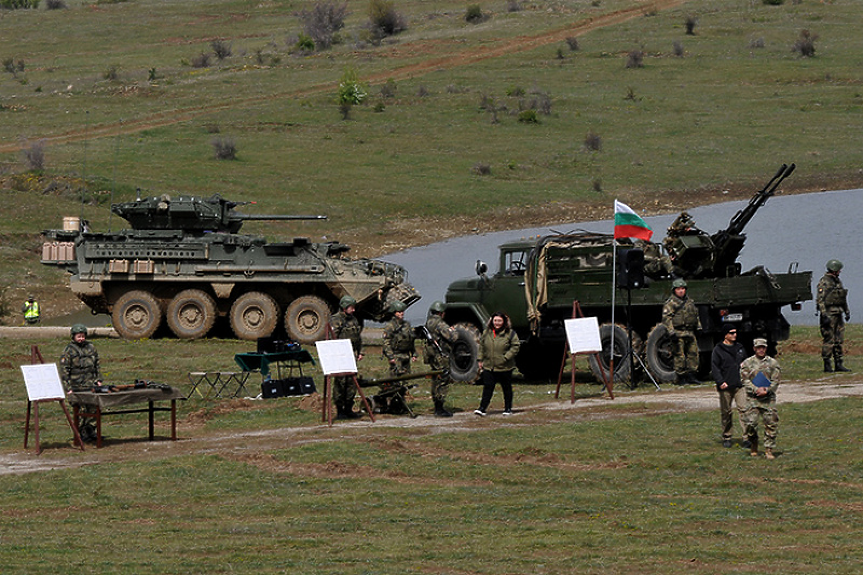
(139, 384)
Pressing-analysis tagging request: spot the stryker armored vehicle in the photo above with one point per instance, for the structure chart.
(538, 281)
(184, 261)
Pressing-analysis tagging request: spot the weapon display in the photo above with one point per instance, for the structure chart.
(139, 384)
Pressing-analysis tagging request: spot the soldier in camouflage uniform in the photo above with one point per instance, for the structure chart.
(345, 325)
(399, 350)
(79, 371)
(680, 318)
(438, 356)
(761, 400)
(832, 301)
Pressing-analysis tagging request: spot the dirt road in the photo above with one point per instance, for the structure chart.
(253, 445)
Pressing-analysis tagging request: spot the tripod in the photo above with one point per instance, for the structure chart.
(633, 357)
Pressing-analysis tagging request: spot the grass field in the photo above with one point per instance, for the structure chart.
(622, 488)
(110, 91)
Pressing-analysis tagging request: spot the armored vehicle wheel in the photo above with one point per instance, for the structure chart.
(306, 319)
(136, 315)
(660, 354)
(191, 314)
(622, 363)
(254, 315)
(464, 363)
(539, 360)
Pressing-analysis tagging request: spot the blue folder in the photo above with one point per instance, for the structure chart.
(760, 380)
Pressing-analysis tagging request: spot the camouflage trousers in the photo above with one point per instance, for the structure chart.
(401, 364)
(832, 336)
(728, 398)
(766, 411)
(440, 383)
(685, 353)
(344, 392)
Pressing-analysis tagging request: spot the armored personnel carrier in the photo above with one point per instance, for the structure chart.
(184, 261)
(537, 282)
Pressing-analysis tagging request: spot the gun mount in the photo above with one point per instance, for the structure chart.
(183, 262)
(695, 254)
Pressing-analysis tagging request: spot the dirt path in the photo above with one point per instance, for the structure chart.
(464, 58)
(251, 446)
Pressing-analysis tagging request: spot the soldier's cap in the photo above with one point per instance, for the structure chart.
(759, 342)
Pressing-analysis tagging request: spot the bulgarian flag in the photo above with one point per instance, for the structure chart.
(628, 224)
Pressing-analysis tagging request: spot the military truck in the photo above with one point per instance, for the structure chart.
(538, 281)
(184, 261)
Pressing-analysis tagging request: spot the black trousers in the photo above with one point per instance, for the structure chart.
(489, 380)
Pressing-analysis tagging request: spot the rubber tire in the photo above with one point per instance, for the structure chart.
(464, 359)
(659, 355)
(306, 319)
(621, 347)
(538, 360)
(254, 315)
(191, 314)
(136, 315)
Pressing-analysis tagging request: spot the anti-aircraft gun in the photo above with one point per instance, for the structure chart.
(695, 254)
(184, 262)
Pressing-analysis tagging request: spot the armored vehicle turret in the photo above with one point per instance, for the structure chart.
(184, 262)
(538, 280)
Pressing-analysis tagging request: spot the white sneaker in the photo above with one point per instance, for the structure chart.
(507, 412)
(479, 412)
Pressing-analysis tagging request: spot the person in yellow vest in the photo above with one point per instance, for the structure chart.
(31, 312)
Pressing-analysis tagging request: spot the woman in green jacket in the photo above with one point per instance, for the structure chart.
(498, 347)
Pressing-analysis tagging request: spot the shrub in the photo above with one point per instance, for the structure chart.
(55, 4)
(689, 24)
(481, 169)
(13, 67)
(350, 93)
(756, 43)
(541, 102)
(592, 142)
(305, 43)
(224, 148)
(201, 61)
(474, 14)
(773, 2)
(635, 59)
(152, 75)
(423, 92)
(379, 107)
(572, 42)
(597, 185)
(323, 21)
(805, 44)
(677, 48)
(33, 154)
(384, 20)
(221, 49)
(16, 4)
(111, 74)
(515, 91)
(513, 6)
(388, 90)
(528, 116)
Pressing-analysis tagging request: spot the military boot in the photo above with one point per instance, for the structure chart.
(346, 412)
(828, 368)
(839, 366)
(440, 410)
(753, 447)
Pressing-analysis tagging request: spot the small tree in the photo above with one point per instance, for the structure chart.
(473, 14)
(224, 148)
(384, 20)
(33, 154)
(689, 24)
(805, 44)
(592, 142)
(323, 22)
(221, 49)
(635, 59)
(350, 93)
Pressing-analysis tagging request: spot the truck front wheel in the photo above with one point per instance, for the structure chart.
(464, 363)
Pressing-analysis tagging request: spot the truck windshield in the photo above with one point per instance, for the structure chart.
(514, 263)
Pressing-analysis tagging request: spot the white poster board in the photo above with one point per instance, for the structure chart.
(43, 381)
(337, 356)
(582, 334)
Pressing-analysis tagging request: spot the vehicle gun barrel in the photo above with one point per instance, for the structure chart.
(257, 217)
(406, 377)
(742, 217)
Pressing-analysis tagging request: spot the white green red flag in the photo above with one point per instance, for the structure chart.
(628, 224)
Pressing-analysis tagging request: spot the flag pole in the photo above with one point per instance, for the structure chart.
(613, 293)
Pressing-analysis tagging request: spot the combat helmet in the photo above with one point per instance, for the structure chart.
(834, 265)
(397, 305)
(678, 283)
(437, 307)
(347, 301)
(78, 328)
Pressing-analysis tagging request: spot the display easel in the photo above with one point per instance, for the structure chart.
(337, 360)
(43, 385)
(575, 348)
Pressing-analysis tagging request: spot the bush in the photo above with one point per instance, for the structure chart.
(805, 44)
(773, 2)
(384, 20)
(55, 4)
(388, 90)
(224, 148)
(572, 42)
(756, 43)
(201, 61)
(635, 59)
(33, 154)
(528, 116)
(689, 24)
(677, 47)
(350, 93)
(9, 65)
(305, 43)
(111, 74)
(221, 49)
(513, 6)
(481, 169)
(323, 21)
(423, 92)
(592, 142)
(16, 4)
(474, 14)
(541, 102)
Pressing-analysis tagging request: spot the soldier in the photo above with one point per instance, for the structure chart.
(399, 348)
(31, 312)
(680, 318)
(345, 325)
(79, 371)
(760, 375)
(437, 355)
(832, 301)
